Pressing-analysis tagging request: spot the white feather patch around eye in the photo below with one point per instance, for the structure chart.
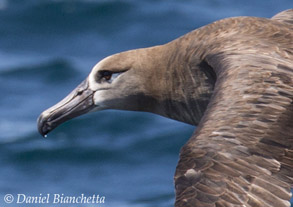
(95, 84)
(114, 76)
(107, 76)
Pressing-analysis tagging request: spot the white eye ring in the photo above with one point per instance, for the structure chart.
(114, 76)
(109, 76)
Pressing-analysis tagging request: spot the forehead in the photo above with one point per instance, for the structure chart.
(118, 62)
(103, 64)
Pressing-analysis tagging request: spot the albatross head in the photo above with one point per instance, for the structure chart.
(120, 82)
(157, 79)
(114, 83)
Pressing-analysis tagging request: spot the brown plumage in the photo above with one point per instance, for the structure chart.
(242, 152)
(234, 79)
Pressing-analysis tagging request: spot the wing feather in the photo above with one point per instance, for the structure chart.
(242, 151)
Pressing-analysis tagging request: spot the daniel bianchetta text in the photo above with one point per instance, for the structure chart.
(54, 199)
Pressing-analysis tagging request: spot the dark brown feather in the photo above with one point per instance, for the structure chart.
(242, 151)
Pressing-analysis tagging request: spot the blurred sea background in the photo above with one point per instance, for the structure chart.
(47, 47)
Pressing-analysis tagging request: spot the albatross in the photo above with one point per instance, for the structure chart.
(233, 79)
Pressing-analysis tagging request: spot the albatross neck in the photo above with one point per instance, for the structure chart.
(182, 82)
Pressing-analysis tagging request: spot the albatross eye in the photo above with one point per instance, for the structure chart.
(106, 75)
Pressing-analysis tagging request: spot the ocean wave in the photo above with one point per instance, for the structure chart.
(62, 16)
(81, 141)
(55, 70)
(15, 60)
(15, 130)
(93, 28)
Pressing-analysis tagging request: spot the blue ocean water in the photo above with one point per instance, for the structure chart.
(46, 49)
